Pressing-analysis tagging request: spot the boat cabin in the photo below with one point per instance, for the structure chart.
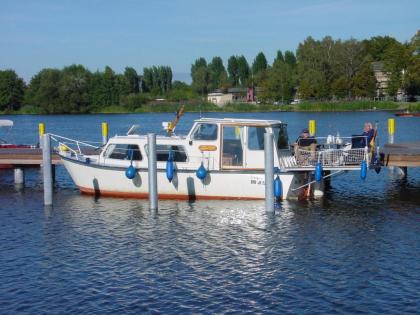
(220, 144)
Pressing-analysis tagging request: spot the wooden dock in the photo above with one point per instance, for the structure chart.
(30, 158)
(401, 154)
(27, 158)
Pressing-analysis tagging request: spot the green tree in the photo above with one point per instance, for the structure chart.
(181, 92)
(397, 58)
(200, 76)
(12, 90)
(290, 58)
(412, 77)
(340, 87)
(147, 79)
(44, 91)
(279, 57)
(200, 80)
(378, 45)
(279, 83)
(314, 67)
(233, 70)
(243, 71)
(364, 81)
(259, 64)
(105, 89)
(415, 43)
(74, 89)
(132, 78)
(217, 73)
(259, 69)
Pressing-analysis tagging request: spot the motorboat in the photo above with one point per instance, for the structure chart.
(217, 159)
(407, 114)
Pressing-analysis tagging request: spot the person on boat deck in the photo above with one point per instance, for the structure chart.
(361, 141)
(305, 142)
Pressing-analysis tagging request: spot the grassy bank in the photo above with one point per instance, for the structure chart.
(244, 107)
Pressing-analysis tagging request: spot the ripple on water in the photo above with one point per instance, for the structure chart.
(355, 251)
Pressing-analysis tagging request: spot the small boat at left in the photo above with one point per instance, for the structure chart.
(5, 144)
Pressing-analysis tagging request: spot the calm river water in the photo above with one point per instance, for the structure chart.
(355, 251)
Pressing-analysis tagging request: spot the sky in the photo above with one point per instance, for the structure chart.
(95, 33)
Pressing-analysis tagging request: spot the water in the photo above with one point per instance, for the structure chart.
(355, 251)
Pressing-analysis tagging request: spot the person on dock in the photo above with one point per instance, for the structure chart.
(305, 143)
(368, 132)
(365, 139)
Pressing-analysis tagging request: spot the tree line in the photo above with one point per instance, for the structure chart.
(75, 89)
(326, 69)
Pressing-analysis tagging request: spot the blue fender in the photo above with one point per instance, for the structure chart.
(201, 172)
(318, 172)
(170, 169)
(130, 172)
(363, 170)
(278, 188)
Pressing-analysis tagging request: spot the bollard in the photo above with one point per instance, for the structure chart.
(104, 133)
(41, 131)
(312, 128)
(391, 130)
(269, 171)
(47, 169)
(152, 169)
(19, 176)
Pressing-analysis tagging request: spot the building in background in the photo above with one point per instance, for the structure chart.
(233, 95)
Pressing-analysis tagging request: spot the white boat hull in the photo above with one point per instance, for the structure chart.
(230, 184)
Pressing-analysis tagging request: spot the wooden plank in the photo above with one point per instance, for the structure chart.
(412, 148)
(401, 160)
(31, 157)
(27, 162)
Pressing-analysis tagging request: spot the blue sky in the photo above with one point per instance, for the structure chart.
(95, 33)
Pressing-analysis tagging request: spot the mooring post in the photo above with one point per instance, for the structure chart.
(269, 171)
(47, 169)
(19, 176)
(104, 133)
(152, 166)
(41, 131)
(391, 130)
(312, 127)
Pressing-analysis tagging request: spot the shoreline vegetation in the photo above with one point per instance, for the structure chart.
(320, 75)
(194, 107)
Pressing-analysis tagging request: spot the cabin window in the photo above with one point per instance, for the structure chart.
(232, 146)
(280, 136)
(162, 152)
(256, 138)
(205, 132)
(122, 151)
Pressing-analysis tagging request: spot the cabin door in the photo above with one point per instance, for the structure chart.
(233, 139)
(254, 151)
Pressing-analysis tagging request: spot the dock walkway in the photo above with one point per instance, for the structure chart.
(401, 154)
(25, 157)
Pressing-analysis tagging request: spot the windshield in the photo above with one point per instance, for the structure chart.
(280, 136)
